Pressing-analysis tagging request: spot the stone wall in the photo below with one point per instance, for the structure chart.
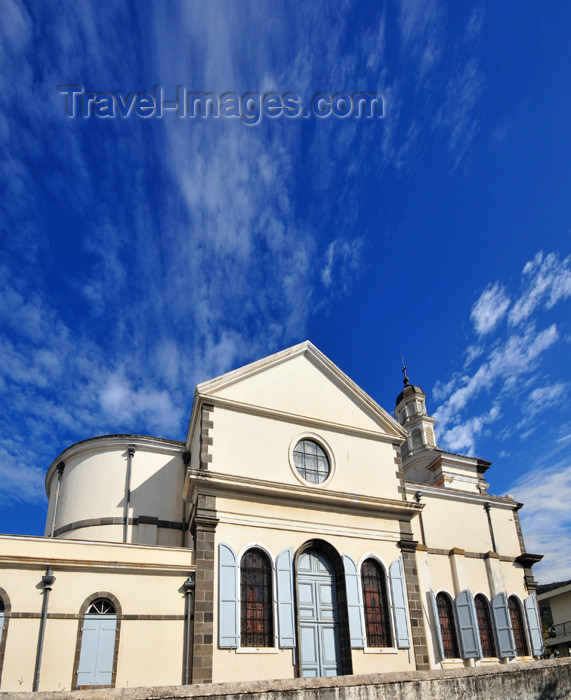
(538, 680)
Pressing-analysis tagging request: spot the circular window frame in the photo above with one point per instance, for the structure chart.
(328, 453)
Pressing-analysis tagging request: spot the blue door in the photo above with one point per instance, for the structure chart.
(97, 650)
(320, 652)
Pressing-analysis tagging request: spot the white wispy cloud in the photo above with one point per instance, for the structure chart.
(547, 280)
(182, 245)
(546, 518)
(490, 308)
(461, 438)
(342, 262)
(516, 356)
(506, 362)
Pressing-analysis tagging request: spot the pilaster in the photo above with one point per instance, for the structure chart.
(419, 643)
(203, 528)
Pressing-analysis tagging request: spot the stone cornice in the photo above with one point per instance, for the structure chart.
(230, 485)
(528, 560)
(458, 495)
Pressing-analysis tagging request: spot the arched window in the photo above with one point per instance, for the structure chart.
(517, 626)
(5, 609)
(256, 613)
(101, 606)
(375, 604)
(485, 626)
(447, 626)
(99, 629)
(417, 438)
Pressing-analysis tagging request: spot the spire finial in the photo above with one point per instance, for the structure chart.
(405, 378)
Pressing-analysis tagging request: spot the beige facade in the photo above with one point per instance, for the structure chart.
(307, 544)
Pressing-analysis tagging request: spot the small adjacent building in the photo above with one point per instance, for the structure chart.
(298, 530)
(558, 599)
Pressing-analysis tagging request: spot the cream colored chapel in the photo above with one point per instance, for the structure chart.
(299, 530)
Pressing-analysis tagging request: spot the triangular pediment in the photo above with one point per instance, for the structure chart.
(302, 381)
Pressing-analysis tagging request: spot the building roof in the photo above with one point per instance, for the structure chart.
(409, 390)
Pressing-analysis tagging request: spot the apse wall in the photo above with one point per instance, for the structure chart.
(94, 486)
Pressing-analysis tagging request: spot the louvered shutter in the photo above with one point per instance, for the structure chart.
(228, 598)
(400, 611)
(503, 625)
(286, 610)
(354, 603)
(437, 625)
(468, 625)
(534, 623)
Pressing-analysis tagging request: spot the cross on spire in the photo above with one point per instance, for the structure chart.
(405, 378)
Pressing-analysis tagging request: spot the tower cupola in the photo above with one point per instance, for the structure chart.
(410, 411)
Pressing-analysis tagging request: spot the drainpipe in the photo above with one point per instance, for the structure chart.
(131, 452)
(189, 590)
(418, 495)
(488, 508)
(47, 581)
(60, 467)
(186, 462)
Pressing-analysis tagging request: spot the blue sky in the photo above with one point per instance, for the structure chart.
(141, 256)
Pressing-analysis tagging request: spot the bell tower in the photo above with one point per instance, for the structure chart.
(410, 411)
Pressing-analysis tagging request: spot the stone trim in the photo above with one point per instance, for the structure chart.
(400, 471)
(77, 616)
(7, 614)
(518, 530)
(95, 522)
(203, 529)
(470, 555)
(408, 547)
(206, 437)
(417, 627)
(82, 611)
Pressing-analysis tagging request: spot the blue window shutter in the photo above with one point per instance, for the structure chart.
(97, 650)
(534, 623)
(437, 625)
(228, 598)
(468, 625)
(400, 611)
(354, 604)
(105, 649)
(503, 625)
(286, 610)
(88, 655)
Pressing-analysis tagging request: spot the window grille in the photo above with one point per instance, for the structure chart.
(256, 618)
(101, 606)
(517, 627)
(311, 461)
(485, 626)
(447, 627)
(375, 604)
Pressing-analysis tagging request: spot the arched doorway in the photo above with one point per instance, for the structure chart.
(318, 616)
(98, 644)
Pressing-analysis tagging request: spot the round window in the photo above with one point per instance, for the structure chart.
(311, 462)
